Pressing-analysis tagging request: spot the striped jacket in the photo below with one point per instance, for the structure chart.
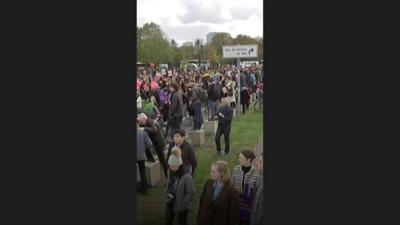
(250, 178)
(257, 211)
(246, 189)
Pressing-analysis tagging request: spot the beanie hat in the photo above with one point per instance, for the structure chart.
(175, 158)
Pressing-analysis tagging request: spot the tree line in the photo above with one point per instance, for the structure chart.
(154, 46)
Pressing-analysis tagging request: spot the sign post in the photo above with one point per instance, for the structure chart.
(239, 51)
(238, 85)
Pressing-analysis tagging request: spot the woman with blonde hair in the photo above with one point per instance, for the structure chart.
(219, 201)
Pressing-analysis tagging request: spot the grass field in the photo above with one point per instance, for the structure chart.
(245, 133)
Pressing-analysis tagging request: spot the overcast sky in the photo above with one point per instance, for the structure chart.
(187, 20)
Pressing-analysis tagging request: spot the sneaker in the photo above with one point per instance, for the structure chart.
(218, 154)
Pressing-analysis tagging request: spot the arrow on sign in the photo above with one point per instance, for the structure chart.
(251, 50)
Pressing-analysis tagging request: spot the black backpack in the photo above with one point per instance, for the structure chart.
(203, 96)
(216, 91)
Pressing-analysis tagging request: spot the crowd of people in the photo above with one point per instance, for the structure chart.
(178, 94)
(164, 100)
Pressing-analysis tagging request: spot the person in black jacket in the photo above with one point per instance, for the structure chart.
(213, 92)
(244, 99)
(156, 138)
(225, 114)
(175, 108)
(195, 104)
(188, 155)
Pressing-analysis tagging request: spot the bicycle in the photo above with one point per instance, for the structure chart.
(258, 104)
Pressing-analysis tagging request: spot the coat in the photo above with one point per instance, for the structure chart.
(223, 211)
(227, 119)
(257, 212)
(176, 107)
(188, 155)
(195, 98)
(184, 190)
(246, 189)
(213, 91)
(154, 134)
(142, 143)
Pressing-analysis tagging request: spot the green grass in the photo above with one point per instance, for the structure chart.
(245, 133)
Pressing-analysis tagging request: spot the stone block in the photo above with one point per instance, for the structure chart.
(197, 137)
(210, 127)
(153, 173)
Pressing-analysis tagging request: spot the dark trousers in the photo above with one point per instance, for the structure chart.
(143, 178)
(223, 130)
(149, 155)
(244, 108)
(169, 216)
(198, 116)
(174, 124)
(161, 158)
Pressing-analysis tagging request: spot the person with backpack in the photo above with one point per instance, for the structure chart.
(213, 91)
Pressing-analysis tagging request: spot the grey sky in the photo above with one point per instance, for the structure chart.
(187, 20)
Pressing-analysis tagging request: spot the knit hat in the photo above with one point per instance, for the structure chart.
(175, 158)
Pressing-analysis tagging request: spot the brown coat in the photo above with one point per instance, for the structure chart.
(225, 209)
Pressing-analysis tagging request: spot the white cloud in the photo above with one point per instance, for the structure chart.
(187, 20)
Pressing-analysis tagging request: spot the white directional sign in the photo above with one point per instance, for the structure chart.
(239, 51)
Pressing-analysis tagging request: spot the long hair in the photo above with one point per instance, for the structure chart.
(223, 169)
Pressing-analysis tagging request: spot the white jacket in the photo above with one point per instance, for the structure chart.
(139, 102)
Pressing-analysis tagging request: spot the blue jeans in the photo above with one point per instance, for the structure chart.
(198, 116)
(213, 109)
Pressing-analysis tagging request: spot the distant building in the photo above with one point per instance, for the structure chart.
(188, 43)
(210, 36)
